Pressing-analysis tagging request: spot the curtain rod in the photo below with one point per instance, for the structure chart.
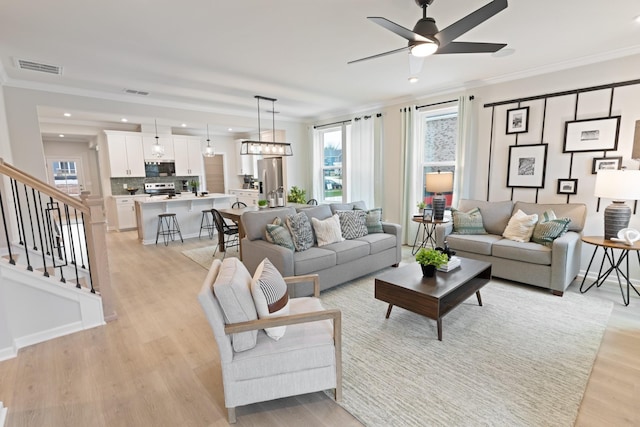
(345, 121)
(564, 93)
(471, 97)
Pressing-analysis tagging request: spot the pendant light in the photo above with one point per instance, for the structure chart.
(209, 150)
(250, 147)
(157, 150)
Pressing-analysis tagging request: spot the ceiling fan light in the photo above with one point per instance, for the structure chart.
(413, 79)
(423, 49)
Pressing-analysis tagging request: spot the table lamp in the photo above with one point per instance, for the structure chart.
(438, 183)
(618, 185)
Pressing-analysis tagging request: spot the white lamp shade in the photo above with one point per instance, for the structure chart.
(618, 184)
(439, 182)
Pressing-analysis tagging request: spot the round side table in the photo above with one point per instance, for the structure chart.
(428, 228)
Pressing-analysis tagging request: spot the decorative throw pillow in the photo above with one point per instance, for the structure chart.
(269, 291)
(353, 223)
(549, 228)
(278, 234)
(373, 221)
(232, 289)
(467, 222)
(300, 229)
(520, 227)
(327, 230)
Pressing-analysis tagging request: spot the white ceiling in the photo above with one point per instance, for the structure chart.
(215, 55)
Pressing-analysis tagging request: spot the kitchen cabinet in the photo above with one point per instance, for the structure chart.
(246, 164)
(188, 156)
(126, 156)
(125, 212)
(248, 197)
(148, 141)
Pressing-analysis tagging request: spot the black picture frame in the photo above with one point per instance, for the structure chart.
(527, 166)
(517, 120)
(600, 134)
(567, 186)
(600, 163)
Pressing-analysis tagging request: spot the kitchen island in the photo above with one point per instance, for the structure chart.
(187, 207)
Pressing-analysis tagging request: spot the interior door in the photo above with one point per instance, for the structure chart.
(214, 174)
(66, 175)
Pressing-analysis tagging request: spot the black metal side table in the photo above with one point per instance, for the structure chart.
(614, 264)
(428, 228)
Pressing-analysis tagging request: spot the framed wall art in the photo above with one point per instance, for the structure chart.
(600, 163)
(591, 135)
(567, 186)
(518, 120)
(527, 165)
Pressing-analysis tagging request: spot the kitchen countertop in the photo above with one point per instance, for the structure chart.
(184, 197)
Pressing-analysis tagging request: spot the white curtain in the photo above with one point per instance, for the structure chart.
(461, 181)
(411, 177)
(361, 158)
(318, 158)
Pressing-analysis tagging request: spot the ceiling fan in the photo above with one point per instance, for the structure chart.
(425, 39)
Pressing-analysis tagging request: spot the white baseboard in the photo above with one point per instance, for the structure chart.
(3, 414)
(49, 334)
(6, 354)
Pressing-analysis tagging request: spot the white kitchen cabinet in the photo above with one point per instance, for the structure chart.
(126, 156)
(246, 163)
(126, 213)
(148, 141)
(188, 156)
(248, 197)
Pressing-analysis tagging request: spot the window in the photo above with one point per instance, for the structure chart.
(438, 132)
(333, 142)
(65, 177)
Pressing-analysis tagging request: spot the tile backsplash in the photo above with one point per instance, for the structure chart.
(117, 184)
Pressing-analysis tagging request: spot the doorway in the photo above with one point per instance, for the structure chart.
(66, 175)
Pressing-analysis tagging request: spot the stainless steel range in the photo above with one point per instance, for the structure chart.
(160, 188)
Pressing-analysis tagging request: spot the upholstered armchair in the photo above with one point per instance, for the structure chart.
(306, 358)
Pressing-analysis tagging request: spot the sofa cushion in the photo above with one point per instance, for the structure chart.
(477, 244)
(467, 222)
(495, 215)
(232, 288)
(335, 207)
(353, 223)
(373, 220)
(300, 229)
(520, 227)
(530, 252)
(576, 212)
(349, 250)
(278, 234)
(270, 295)
(379, 242)
(312, 260)
(549, 228)
(254, 222)
(327, 230)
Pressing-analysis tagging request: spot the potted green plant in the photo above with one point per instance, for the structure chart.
(430, 259)
(194, 186)
(421, 205)
(262, 203)
(297, 195)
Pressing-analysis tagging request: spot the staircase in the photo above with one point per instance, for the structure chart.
(54, 273)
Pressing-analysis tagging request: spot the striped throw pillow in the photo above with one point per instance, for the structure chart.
(467, 222)
(270, 295)
(278, 234)
(353, 223)
(549, 228)
(373, 221)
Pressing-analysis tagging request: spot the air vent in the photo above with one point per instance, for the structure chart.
(136, 92)
(37, 66)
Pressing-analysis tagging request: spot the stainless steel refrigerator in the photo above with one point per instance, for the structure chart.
(270, 178)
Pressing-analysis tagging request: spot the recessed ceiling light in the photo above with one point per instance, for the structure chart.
(637, 19)
(230, 129)
(67, 114)
(184, 125)
(413, 79)
(124, 120)
(61, 136)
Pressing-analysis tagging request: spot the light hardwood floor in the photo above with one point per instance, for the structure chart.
(157, 365)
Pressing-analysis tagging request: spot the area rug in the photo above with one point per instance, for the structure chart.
(204, 256)
(522, 359)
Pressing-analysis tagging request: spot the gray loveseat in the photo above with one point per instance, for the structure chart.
(334, 263)
(553, 267)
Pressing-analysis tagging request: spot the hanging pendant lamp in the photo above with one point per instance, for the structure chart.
(157, 150)
(250, 147)
(209, 150)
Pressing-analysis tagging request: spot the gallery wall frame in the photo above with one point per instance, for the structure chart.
(527, 166)
(600, 163)
(600, 134)
(567, 186)
(518, 120)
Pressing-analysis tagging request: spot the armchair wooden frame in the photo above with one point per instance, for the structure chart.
(332, 314)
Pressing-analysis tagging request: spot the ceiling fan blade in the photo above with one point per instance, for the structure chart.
(398, 29)
(379, 55)
(470, 21)
(470, 47)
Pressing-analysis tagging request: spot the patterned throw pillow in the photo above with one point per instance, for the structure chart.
(467, 222)
(353, 223)
(373, 220)
(278, 234)
(549, 228)
(300, 229)
(327, 230)
(520, 227)
(270, 295)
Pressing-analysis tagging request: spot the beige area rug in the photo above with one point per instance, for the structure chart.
(522, 359)
(204, 256)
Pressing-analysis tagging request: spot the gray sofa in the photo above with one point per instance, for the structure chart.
(552, 267)
(335, 263)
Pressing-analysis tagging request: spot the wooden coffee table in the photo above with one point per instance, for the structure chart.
(432, 297)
